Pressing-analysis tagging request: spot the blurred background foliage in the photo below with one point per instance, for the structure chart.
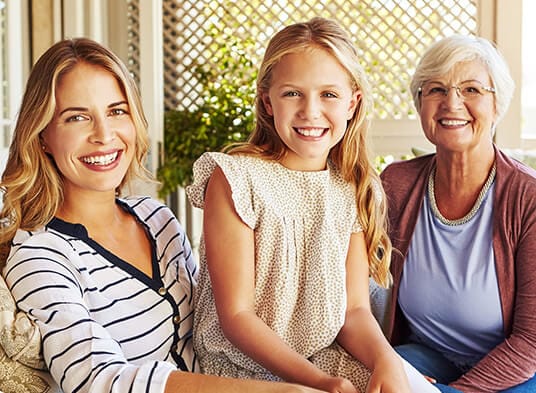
(224, 114)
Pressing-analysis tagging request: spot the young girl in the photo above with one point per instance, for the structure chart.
(108, 280)
(294, 223)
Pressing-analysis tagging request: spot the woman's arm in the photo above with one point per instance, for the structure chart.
(79, 351)
(361, 335)
(197, 383)
(230, 251)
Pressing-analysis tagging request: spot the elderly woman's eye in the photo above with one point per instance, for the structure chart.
(437, 90)
(472, 90)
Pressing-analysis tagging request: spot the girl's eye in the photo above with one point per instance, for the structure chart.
(329, 94)
(291, 94)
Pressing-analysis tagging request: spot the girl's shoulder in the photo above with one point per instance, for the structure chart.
(209, 160)
(236, 168)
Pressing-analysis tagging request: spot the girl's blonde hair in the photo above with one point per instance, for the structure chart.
(31, 184)
(350, 155)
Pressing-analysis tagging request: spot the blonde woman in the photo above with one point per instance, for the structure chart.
(108, 280)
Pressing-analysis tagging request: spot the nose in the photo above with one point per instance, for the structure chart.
(454, 97)
(310, 108)
(101, 132)
(456, 89)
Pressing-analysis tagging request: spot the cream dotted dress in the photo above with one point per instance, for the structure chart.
(302, 223)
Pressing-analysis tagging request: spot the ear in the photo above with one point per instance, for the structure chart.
(267, 104)
(356, 97)
(42, 142)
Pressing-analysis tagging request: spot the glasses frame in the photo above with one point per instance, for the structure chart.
(458, 89)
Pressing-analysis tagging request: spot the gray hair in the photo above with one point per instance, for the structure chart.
(441, 57)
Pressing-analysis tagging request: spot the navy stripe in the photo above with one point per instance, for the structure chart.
(118, 300)
(150, 378)
(132, 316)
(149, 352)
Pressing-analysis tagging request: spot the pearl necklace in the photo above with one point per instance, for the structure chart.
(474, 209)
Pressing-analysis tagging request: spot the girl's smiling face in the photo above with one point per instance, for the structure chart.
(92, 136)
(311, 100)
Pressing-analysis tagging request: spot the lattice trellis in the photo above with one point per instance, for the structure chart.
(133, 28)
(390, 35)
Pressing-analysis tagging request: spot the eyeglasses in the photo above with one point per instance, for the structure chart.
(470, 90)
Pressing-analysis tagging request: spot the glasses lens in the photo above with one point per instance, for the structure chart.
(471, 89)
(467, 90)
(434, 90)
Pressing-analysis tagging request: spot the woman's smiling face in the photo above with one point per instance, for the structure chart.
(92, 136)
(455, 123)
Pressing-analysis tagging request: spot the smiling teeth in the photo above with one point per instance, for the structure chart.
(100, 160)
(453, 122)
(315, 132)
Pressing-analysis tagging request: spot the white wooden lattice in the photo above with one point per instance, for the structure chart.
(390, 35)
(133, 27)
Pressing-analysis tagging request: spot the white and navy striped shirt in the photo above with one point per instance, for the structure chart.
(106, 326)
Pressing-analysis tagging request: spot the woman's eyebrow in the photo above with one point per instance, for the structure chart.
(84, 109)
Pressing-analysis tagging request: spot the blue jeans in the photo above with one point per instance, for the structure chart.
(433, 364)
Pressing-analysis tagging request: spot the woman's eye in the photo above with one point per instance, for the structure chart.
(472, 90)
(329, 94)
(118, 112)
(75, 118)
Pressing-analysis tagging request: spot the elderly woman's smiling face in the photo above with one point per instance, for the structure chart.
(458, 108)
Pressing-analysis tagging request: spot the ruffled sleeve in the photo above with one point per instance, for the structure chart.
(236, 172)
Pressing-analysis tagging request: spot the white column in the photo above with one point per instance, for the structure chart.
(14, 58)
(97, 17)
(508, 39)
(86, 18)
(151, 74)
(73, 19)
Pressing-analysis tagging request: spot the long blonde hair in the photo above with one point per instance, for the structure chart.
(31, 184)
(350, 155)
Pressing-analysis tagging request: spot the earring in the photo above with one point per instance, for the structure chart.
(43, 147)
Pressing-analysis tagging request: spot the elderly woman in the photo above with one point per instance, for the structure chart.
(464, 221)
